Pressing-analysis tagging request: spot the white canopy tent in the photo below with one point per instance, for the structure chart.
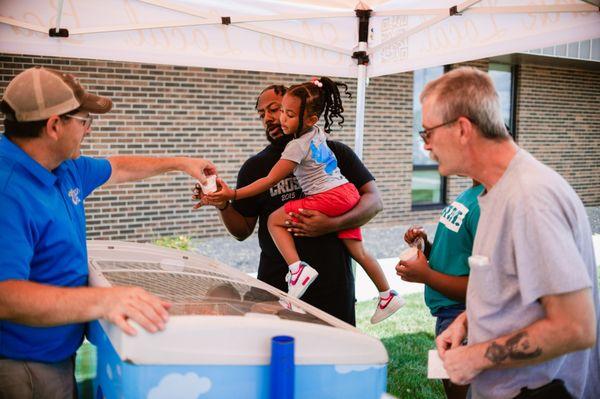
(340, 38)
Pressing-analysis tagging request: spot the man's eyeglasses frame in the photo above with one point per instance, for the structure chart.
(426, 133)
(87, 120)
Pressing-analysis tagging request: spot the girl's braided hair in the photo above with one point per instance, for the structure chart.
(320, 96)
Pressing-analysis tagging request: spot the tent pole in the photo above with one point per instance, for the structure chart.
(361, 86)
(362, 59)
(59, 15)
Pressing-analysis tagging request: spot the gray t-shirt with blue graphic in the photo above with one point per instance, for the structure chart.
(533, 240)
(317, 169)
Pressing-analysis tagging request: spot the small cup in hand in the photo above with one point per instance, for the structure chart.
(210, 186)
(409, 254)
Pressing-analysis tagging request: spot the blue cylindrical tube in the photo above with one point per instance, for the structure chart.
(282, 367)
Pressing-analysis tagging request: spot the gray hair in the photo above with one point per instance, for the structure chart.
(468, 92)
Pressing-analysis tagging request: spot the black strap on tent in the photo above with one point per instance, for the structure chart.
(225, 20)
(362, 57)
(62, 32)
(454, 11)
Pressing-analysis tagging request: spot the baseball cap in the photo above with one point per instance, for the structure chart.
(38, 93)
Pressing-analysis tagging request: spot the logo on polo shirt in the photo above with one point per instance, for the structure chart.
(74, 195)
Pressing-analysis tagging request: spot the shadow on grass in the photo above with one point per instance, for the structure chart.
(85, 370)
(407, 367)
(85, 389)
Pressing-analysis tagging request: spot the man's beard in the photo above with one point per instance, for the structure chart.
(280, 141)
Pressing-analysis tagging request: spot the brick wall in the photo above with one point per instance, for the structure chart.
(558, 121)
(172, 110)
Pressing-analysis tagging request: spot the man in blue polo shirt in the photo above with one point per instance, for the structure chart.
(44, 300)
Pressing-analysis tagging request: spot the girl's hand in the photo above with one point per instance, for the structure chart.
(203, 199)
(224, 194)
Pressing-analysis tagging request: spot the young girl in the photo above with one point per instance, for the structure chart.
(326, 189)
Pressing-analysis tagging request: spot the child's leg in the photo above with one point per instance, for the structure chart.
(301, 275)
(389, 301)
(368, 263)
(282, 238)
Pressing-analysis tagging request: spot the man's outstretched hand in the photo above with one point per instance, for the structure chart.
(198, 168)
(121, 304)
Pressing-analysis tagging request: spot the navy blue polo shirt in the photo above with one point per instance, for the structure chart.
(43, 240)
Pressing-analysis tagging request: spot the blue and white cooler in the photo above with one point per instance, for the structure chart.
(218, 342)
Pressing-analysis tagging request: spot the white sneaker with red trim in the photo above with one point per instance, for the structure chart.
(387, 307)
(299, 282)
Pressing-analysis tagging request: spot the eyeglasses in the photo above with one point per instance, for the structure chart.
(87, 120)
(426, 133)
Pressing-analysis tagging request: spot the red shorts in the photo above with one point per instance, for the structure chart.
(334, 202)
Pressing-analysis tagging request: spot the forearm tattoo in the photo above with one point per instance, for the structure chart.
(517, 347)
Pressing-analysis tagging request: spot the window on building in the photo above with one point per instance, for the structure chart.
(504, 77)
(428, 186)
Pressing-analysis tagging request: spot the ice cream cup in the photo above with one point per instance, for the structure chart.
(409, 253)
(211, 184)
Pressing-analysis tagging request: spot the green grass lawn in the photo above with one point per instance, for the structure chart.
(407, 336)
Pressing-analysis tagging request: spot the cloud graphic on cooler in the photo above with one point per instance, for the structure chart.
(357, 367)
(180, 386)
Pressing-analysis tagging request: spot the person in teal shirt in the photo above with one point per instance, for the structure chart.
(443, 266)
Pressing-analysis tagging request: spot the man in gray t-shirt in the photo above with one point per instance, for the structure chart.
(532, 299)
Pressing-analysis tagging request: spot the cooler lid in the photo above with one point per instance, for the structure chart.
(220, 315)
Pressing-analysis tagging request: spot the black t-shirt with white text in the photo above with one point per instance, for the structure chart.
(333, 290)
